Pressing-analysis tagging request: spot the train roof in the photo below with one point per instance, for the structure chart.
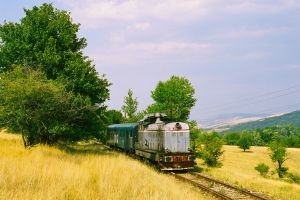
(123, 126)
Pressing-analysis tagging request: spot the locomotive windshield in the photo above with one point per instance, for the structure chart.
(177, 141)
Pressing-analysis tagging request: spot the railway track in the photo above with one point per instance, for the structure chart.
(218, 188)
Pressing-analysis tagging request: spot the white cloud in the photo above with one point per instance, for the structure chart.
(261, 32)
(258, 6)
(139, 26)
(139, 52)
(168, 47)
(250, 55)
(94, 13)
(293, 66)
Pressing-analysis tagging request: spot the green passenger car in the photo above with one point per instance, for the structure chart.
(123, 136)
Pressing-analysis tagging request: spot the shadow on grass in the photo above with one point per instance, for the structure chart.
(247, 151)
(85, 148)
(198, 169)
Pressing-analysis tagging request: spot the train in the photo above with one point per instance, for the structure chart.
(157, 139)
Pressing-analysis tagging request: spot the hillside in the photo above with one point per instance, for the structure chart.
(81, 172)
(229, 119)
(292, 118)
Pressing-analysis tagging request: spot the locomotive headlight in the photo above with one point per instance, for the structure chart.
(168, 158)
(191, 157)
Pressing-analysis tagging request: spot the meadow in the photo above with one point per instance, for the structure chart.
(88, 172)
(238, 168)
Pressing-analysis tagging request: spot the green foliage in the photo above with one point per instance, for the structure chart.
(212, 149)
(245, 141)
(174, 97)
(295, 178)
(114, 117)
(289, 135)
(195, 134)
(262, 168)
(232, 138)
(278, 154)
(43, 111)
(130, 107)
(46, 39)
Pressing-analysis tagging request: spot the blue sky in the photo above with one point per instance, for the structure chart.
(241, 56)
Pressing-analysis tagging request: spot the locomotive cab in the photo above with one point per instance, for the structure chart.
(166, 143)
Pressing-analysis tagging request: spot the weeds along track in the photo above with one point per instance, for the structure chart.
(218, 188)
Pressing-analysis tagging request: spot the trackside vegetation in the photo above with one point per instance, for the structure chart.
(43, 111)
(174, 97)
(50, 91)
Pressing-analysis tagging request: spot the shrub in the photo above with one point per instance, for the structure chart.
(43, 111)
(232, 138)
(294, 177)
(262, 168)
(245, 141)
(212, 149)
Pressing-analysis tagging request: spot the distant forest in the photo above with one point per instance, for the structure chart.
(292, 119)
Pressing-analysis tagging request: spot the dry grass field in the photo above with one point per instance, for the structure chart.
(238, 168)
(89, 173)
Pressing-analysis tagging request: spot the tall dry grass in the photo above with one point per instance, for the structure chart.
(46, 172)
(238, 168)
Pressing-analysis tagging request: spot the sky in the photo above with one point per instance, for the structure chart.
(242, 56)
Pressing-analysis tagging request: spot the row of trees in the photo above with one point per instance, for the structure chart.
(289, 135)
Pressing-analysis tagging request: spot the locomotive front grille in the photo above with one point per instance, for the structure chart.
(177, 158)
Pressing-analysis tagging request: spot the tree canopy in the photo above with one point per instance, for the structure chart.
(46, 38)
(50, 91)
(278, 154)
(130, 106)
(245, 141)
(174, 97)
(43, 111)
(114, 117)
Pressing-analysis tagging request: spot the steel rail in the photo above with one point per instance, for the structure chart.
(242, 190)
(202, 187)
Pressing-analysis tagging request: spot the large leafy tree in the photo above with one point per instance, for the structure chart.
(46, 38)
(175, 97)
(43, 111)
(130, 106)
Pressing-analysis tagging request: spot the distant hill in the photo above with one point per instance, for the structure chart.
(292, 118)
(229, 119)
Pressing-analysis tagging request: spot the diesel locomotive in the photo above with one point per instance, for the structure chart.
(157, 139)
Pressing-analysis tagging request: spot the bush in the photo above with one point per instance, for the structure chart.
(245, 141)
(232, 138)
(262, 168)
(212, 149)
(294, 177)
(43, 111)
